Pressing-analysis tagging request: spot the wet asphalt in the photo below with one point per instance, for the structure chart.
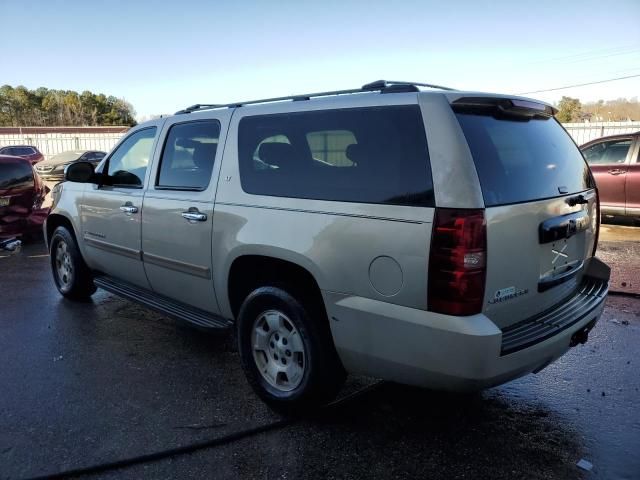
(83, 384)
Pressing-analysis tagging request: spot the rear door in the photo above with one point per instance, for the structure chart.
(178, 210)
(609, 162)
(111, 214)
(540, 209)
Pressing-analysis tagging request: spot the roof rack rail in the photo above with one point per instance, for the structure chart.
(198, 106)
(383, 86)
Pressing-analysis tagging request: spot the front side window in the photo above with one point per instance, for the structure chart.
(367, 155)
(128, 164)
(188, 155)
(611, 152)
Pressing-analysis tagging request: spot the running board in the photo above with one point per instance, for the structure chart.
(162, 304)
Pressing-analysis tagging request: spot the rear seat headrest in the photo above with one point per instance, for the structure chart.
(278, 154)
(355, 153)
(204, 155)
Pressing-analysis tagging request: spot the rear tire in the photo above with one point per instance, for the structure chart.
(287, 351)
(70, 273)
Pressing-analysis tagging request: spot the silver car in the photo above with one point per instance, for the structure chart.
(52, 169)
(403, 231)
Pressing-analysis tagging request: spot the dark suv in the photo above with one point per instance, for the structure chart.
(25, 151)
(22, 193)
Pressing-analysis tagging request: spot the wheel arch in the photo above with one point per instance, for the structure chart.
(56, 220)
(252, 270)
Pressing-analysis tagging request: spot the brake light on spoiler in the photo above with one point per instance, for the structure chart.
(457, 261)
(507, 106)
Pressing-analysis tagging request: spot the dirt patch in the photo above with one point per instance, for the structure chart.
(619, 247)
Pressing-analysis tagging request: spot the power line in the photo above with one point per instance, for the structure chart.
(580, 84)
(586, 55)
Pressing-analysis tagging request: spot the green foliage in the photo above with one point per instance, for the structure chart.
(618, 110)
(20, 106)
(569, 110)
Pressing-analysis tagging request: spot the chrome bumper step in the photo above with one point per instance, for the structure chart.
(545, 325)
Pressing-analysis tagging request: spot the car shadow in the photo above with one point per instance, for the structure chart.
(411, 432)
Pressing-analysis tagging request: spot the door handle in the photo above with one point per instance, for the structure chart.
(616, 171)
(193, 215)
(128, 208)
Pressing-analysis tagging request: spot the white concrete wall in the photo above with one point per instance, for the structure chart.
(52, 143)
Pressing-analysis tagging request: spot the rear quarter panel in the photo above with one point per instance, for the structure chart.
(335, 241)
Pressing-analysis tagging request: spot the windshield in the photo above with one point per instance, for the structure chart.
(521, 160)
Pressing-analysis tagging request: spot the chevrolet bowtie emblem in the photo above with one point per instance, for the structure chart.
(559, 253)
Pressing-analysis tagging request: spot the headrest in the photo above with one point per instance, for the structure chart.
(205, 154)
(278, 154)
(356, 153)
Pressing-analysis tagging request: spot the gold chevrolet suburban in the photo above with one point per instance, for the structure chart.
(404, 231)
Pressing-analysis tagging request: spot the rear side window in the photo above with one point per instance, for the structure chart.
(521, 160)
(603, 153)
(188, 155)
(15, 175)
(367, 155)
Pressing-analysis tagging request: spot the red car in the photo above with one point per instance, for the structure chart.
(615, 163)
(25, 151)
(22, 194)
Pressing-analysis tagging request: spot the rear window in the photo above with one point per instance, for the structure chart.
(367, 155)
(19, 151)
(15, 175)
(521, 160)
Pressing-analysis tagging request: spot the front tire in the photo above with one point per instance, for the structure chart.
(70, 273)
(287, 351)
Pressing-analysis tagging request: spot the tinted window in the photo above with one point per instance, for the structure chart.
(613, 151)
(521, 160)
(188, 155)
(19, 151)
(15, 175)
(368, 155)
(128, 164)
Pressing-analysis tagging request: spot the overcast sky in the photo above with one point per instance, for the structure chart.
(164, 55)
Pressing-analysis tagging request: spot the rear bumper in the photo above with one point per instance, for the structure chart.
(422, 348)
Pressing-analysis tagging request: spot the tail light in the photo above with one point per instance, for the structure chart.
(457, 262)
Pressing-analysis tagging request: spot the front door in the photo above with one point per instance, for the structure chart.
(111, 214)
(178, 211)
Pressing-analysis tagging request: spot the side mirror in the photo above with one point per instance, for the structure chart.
(80, 172)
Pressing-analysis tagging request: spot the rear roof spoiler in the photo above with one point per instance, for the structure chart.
(510, 106)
